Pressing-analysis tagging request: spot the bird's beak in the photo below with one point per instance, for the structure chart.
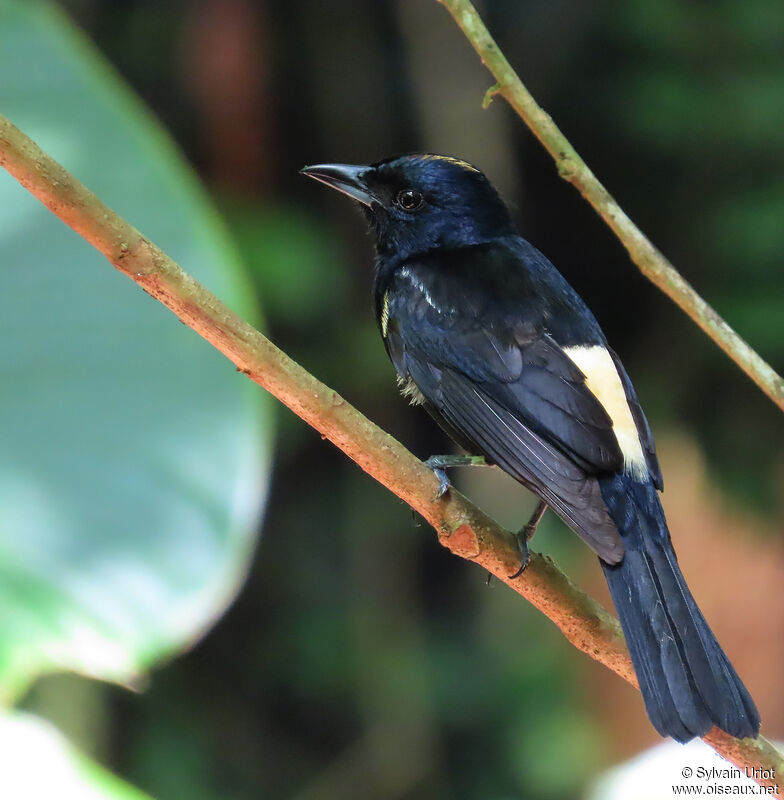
(346, 178)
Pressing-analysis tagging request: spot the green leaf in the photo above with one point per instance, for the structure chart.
(133, 457)
(37, 761)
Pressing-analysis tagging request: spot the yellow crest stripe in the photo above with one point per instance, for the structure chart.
(456, 161)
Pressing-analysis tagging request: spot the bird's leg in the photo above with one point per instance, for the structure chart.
(525, 534)
(440, 463)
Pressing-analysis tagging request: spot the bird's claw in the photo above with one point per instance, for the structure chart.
(525, 534)
(525, 552)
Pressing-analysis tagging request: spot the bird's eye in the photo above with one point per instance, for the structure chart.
(409, 199)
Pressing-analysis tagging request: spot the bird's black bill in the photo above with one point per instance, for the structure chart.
(346, 178)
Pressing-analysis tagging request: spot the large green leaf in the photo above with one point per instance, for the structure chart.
(132, 455)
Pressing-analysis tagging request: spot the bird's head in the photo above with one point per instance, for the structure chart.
(416, 203)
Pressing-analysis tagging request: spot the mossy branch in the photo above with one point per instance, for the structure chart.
(572, 168)
(461, 527)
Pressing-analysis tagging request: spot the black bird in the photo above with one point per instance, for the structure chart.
(493, 342)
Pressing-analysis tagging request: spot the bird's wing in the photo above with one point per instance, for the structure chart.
(516, 396)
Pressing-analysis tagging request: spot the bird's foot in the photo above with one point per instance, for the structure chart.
(525, 555)
(525, 534)
(444, 484)
(439, 465)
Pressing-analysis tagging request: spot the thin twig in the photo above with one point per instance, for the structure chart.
(461, 527)
(572, 168)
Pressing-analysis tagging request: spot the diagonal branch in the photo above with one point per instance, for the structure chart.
(572, 168)
(461, 527)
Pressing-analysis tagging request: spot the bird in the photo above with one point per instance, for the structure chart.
(488, 337)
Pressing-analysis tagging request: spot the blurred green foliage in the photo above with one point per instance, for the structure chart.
(360, 660)
(704, 96)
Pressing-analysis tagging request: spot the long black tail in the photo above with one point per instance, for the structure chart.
(686, 680)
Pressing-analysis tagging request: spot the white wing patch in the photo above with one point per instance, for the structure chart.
(603, 381)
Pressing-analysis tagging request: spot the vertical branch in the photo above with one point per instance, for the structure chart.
(572, 168)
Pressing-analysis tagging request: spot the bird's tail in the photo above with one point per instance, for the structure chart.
(686, 680)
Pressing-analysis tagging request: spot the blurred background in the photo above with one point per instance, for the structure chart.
(359, 659)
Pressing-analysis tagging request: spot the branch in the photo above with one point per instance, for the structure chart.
(461, 527)
(572, 168)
